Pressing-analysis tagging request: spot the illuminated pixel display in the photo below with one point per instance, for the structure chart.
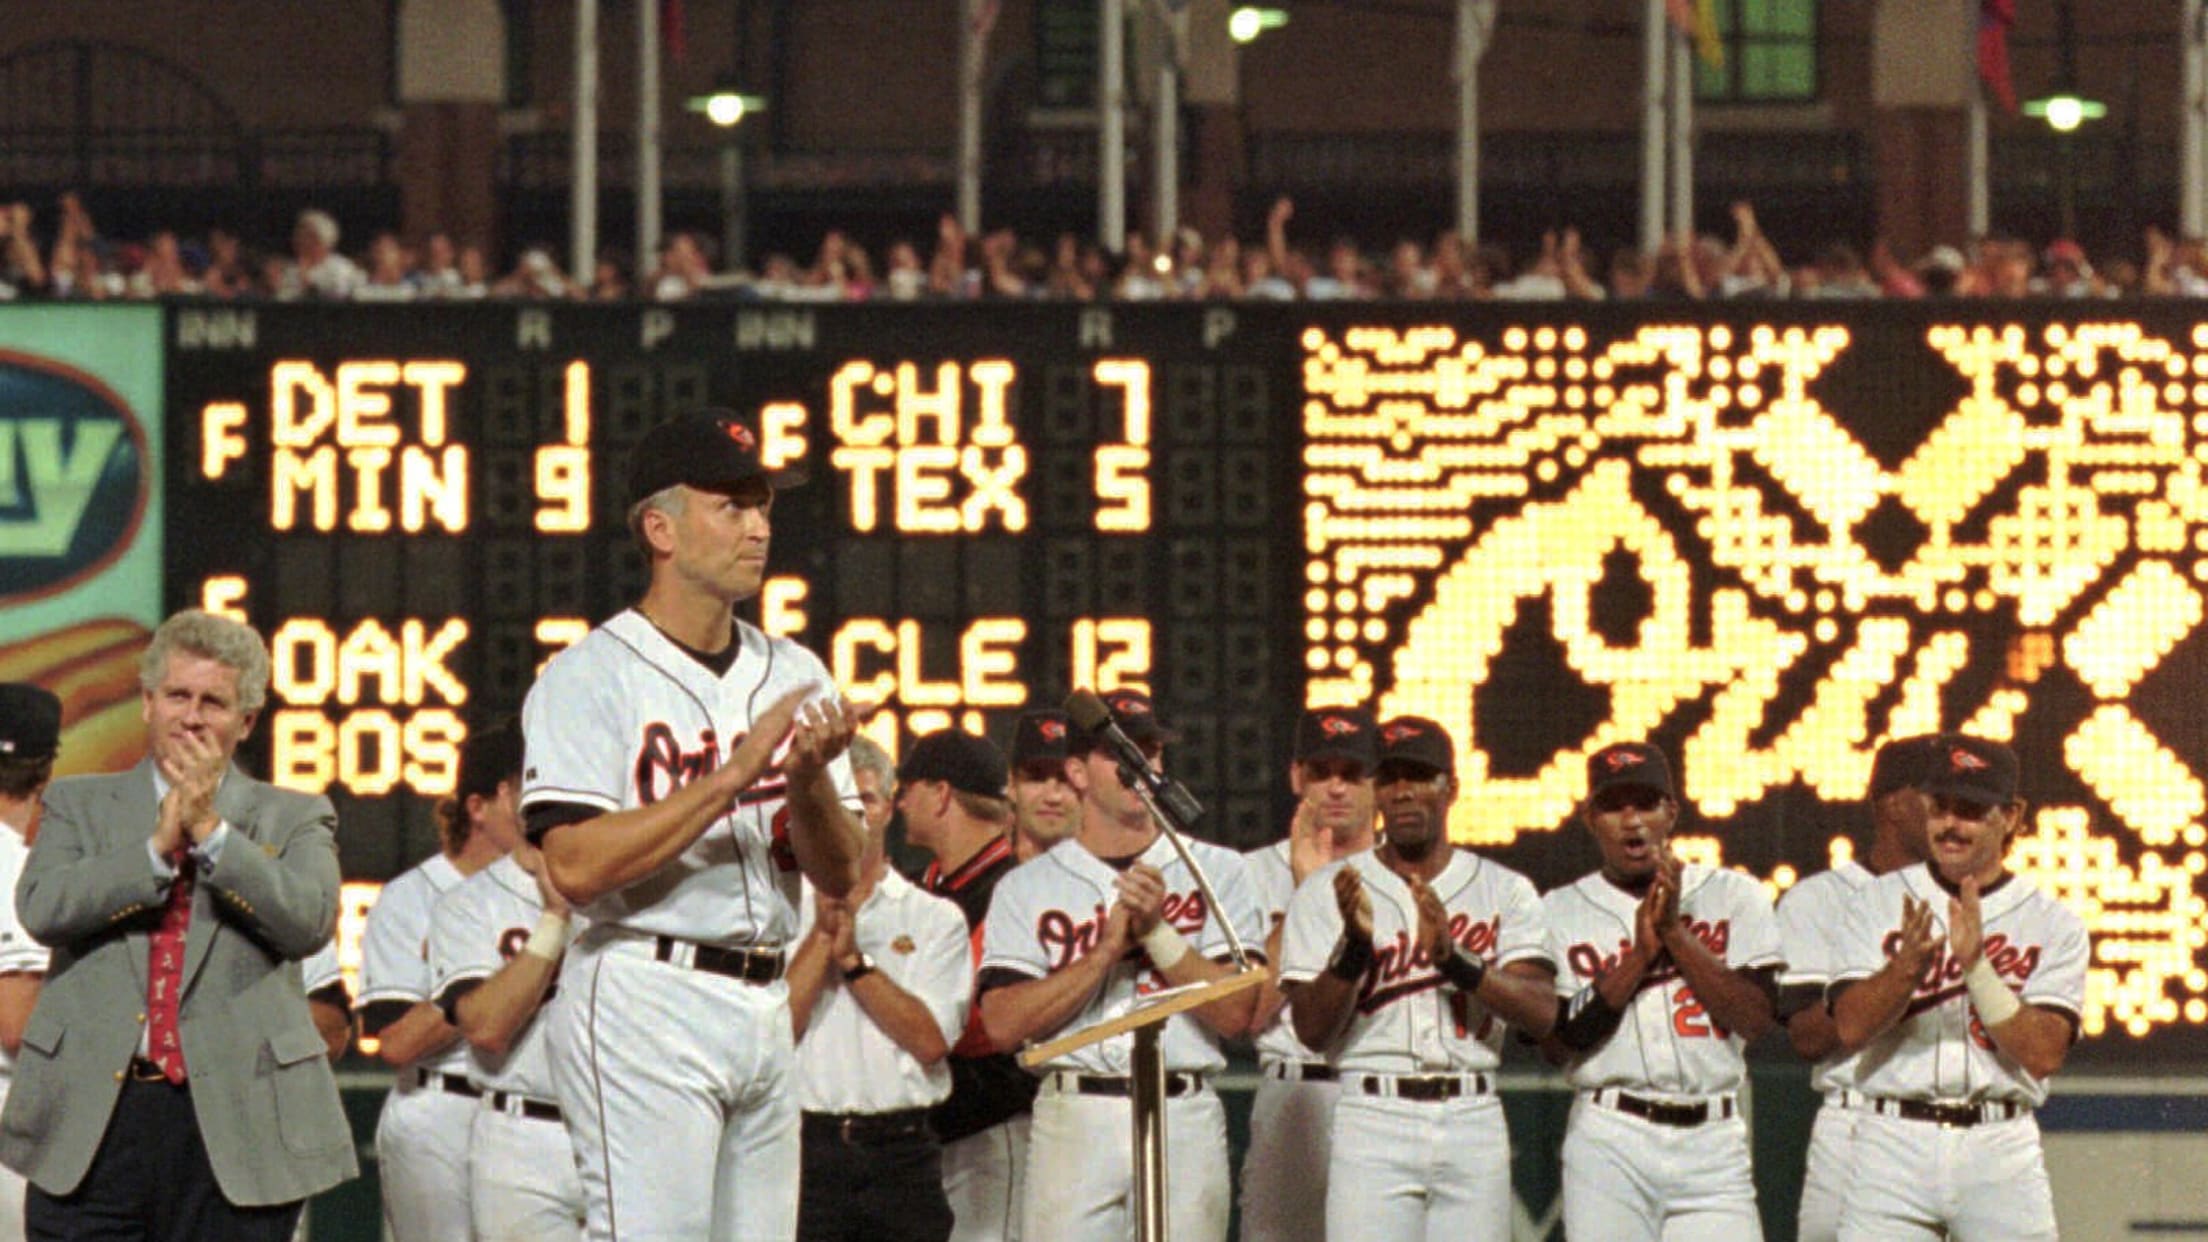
(1681, 532)
(1766, 541)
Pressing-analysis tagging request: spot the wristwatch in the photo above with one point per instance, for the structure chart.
(863, 968)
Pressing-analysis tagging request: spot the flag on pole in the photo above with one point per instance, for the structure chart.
(985, 17)
(1697, 19)
(1995, 19)
(672, 30)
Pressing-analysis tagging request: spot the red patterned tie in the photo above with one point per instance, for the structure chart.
(165, 976)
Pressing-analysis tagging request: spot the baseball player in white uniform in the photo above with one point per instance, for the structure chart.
(1405, 963)
(1960, 986)
(30, 737)
(1668, 972)
(1078, 936)
(1291, 1120)
(1812, 916)
(327, 998)
(677, 792)
(422, 1136)
(1045, 806)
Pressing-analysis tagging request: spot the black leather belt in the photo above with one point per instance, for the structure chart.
(1176, 1085)
(453, 1083)
(1664, 1112)
(1430, 1088)
(537, 1110)
(1952, 1114)
(754, 966)
(868, 1129)
(1302, 1071)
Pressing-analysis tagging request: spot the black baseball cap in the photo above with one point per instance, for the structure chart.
(1132, 711)
(965, 762)
(1338, 733)
(1419, 742)
(1040, 737)
(1975, 769)
(1904, 763)
(490, 755)
(1636, 765)
(30, 721)
(711, 450)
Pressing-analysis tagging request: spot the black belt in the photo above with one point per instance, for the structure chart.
(1176, 1085)
(453, 1083)
(538, 1110)
(868, 1129)
(1664, 1112)
(1302, 1071)
(1953, 1115)
(755, 966)
(1430, 1088)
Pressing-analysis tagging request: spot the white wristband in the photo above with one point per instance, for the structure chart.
(549, 940)
(1165, 945)
(1992, 998)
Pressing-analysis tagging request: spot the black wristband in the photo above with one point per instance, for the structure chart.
(1352, 958)
(1463, 971)
(860, 971)
(1587, 1020)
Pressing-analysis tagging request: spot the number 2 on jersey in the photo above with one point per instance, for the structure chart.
(1688, 1018)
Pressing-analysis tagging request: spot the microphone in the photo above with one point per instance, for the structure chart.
(1172, 798)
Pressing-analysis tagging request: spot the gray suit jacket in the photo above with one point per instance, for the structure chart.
(261, 1084)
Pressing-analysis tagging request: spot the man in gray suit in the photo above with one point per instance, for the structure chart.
(172, 1084)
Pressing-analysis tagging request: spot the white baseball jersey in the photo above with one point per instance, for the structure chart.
(1938, 1051)
(1274, 882)
(479, 926)
(316, 973)
(1407, 1020)
(394, 948)
(846, 1063)
(1051, 911)
(1667, 1042)
(18, 952)
(1812, 917)
(624, 718)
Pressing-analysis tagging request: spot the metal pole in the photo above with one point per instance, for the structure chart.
(1165, 125)
(1149, 1134)
(1111, 126)
(1655, 54)
(1475, 21)
(1682, 134)
(1980, 196)
(970, 51)
(2193, 147)
(732, 202)
(583, 194)
(647, 132)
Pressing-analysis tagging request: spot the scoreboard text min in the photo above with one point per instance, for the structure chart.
(1766, 541)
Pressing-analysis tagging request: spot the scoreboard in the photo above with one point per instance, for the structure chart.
(1764, 537)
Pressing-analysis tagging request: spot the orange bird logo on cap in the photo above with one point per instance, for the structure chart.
(741, 435)
(1618, 759)
(1397, 732)
(1052, 730)
(1963, 761)
(1336, 726)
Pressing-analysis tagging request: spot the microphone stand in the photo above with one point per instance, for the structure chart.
(1174, 810)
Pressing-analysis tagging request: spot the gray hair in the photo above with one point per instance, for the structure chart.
(215, 638)
(667, 500)
(323, 224)
(868, 756)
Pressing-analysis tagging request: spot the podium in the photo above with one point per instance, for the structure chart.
(1147, 1023)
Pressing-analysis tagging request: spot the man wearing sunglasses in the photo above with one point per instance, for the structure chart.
(1961, 985)
(1667, 971)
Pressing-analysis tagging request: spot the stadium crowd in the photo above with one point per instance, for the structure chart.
(79, 263)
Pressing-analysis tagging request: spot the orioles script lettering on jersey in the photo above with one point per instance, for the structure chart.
(1066, 940)
(1945, 970)
(1394, 961)
(661, 761)
(1588, 963)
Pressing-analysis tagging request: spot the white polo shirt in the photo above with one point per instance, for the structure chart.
(18, 952)
(847, 1064)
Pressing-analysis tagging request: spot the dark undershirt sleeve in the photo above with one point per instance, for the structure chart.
(1795, 997)
(448, 1001)
(376, 1015)
(998, 977)
(543, 817)
(333, 994)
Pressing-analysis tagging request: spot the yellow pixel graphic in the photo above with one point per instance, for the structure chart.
(2059, 503)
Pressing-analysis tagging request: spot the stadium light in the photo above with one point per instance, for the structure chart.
(1249, 21)
(726, 106)
(2064, 111)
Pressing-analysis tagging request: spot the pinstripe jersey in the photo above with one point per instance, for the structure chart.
(1667, 1044)
(624, 718)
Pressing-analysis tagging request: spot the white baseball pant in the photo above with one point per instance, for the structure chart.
(1419, 1170)
(522, 1186)
(984, 1175)
(676, 1088)
(1825, 1179)
(1080, 1168)
(13, 1188)
(422, 1162)
(1284, 1171)
(1627, 1179)
(1919, 1179)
